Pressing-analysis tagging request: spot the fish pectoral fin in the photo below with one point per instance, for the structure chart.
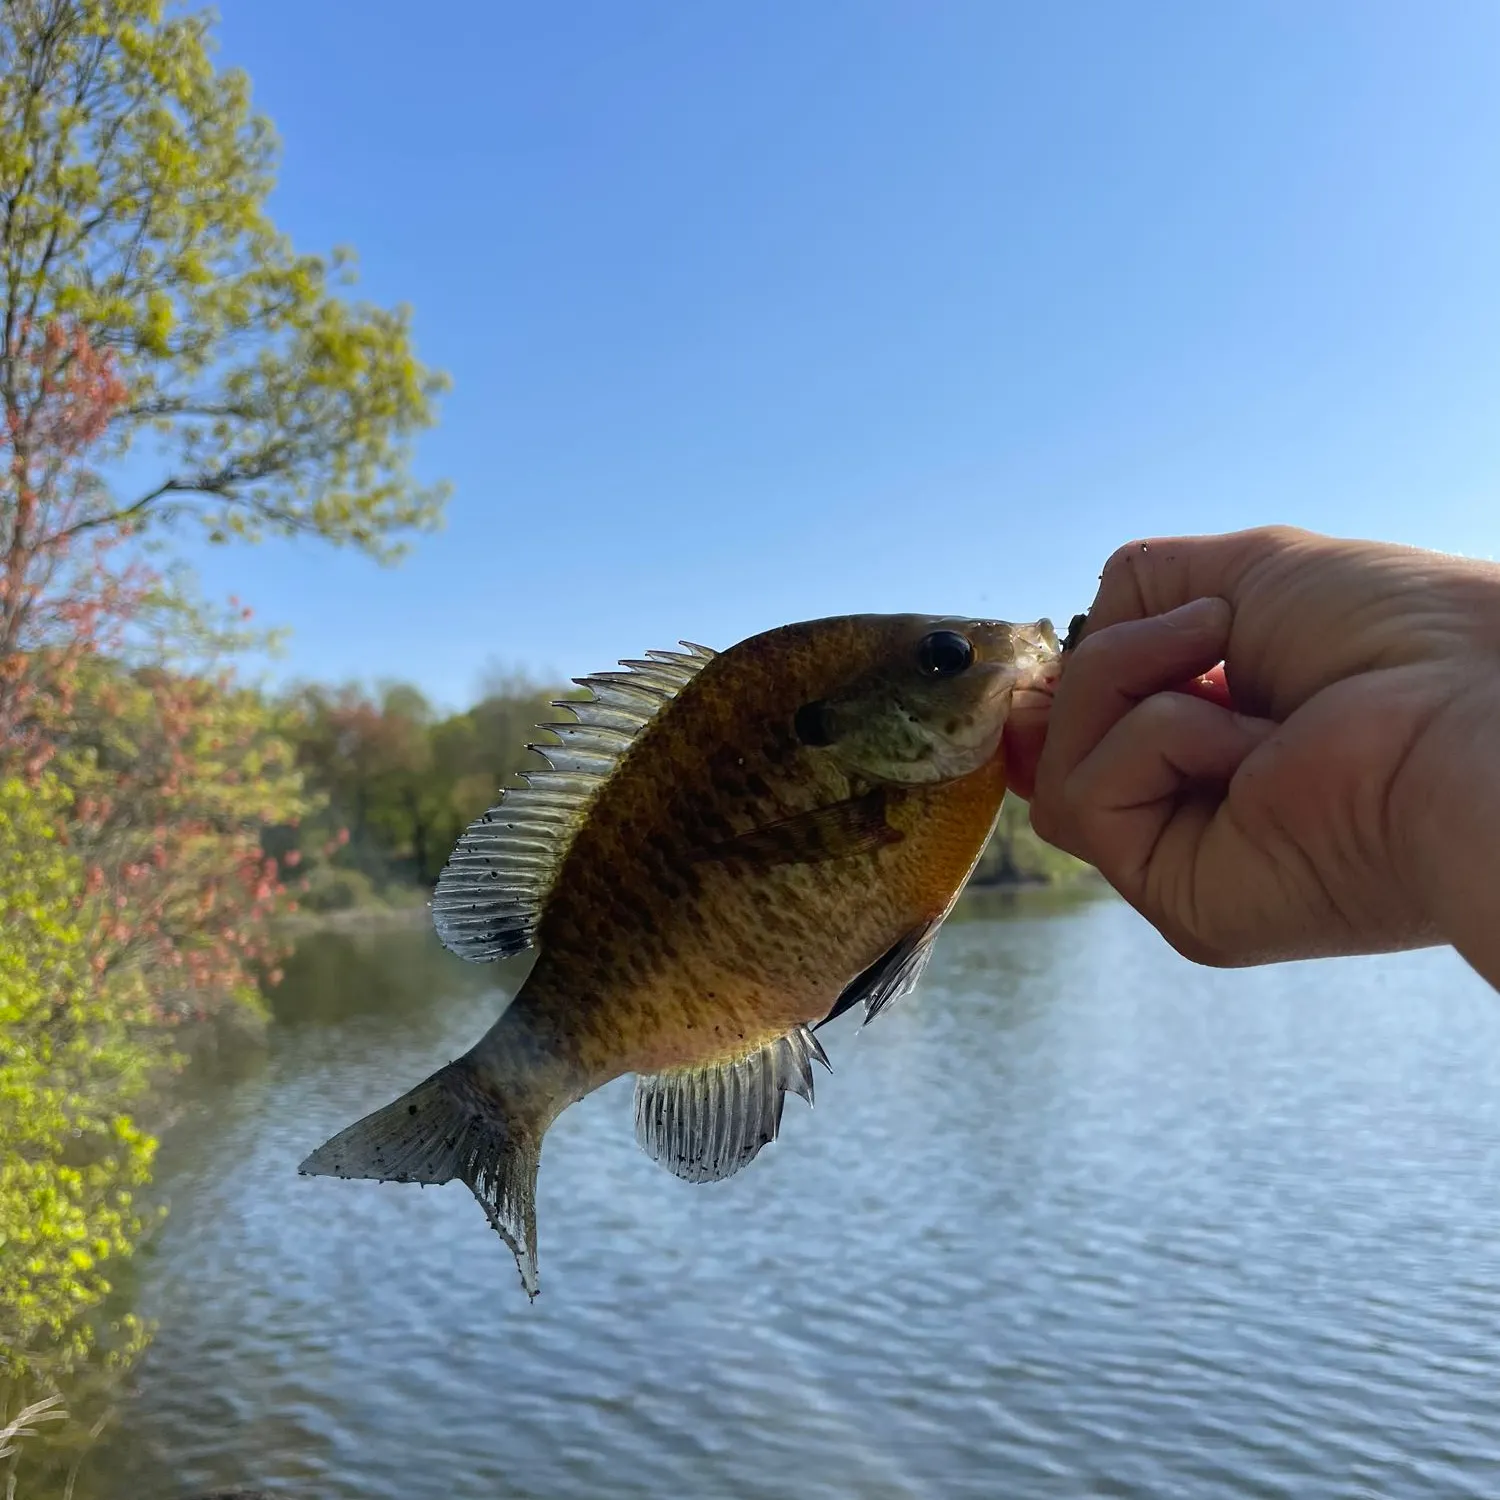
(705, 1123)
(854, 826)
(894, 974)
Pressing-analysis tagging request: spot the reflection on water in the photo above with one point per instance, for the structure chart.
(1077, 1220)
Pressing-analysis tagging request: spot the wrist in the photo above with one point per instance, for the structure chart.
(1445, 818)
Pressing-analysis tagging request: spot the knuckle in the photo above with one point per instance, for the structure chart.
(1194, 947)
(1276, 538)
(1127, 568)
(1045, 820)
(1083, 657)
(1161, 715)
(1262, 546)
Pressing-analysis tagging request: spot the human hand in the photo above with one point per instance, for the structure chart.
(1277, 809)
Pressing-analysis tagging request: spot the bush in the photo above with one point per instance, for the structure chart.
(71, 1066)
(332, 889)
(1016, 856)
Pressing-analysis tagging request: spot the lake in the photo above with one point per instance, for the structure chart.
(1076, 1220)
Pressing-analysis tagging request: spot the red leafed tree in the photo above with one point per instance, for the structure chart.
(110, 680)
(60, 596)
(175, 775)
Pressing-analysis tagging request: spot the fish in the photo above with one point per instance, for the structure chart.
(727, 851)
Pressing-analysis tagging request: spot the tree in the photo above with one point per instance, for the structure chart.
(1016, 856)
(71, 1065)
(149, 311)
(370, 758)
(403, 783)
(148, 307)
(133, 186)
(60, 599)
(476, 752)
(174, 776)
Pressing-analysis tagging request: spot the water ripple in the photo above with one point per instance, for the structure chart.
(1077, 1221)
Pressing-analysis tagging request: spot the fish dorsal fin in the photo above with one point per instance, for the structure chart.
(490, 895)
(706, 1123)
(894, 974)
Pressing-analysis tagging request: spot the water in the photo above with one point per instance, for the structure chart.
(1078, 1220)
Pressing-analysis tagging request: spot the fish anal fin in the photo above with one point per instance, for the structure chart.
(894, 974)
(705, 1123)
(855, 826)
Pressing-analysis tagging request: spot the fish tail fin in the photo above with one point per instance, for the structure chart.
(452, 1126)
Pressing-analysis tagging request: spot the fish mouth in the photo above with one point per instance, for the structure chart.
(1038, 667)
(1032, 698)
(1031, 701)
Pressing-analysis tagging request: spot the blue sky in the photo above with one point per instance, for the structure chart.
(762, 312)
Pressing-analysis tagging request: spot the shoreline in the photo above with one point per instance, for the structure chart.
(415, 913)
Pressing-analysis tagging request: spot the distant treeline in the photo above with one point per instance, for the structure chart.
(396, 784)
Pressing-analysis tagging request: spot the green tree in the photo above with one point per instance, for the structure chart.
(70, 1068)
(133, 187)
(369, 759)
(403, 801)
(400, 782)
(165, 356)
(476, 752)
(1016, 856)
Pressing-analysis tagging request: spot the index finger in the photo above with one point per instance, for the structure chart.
(1026, 729)
(1146, 578)
(1114, 671)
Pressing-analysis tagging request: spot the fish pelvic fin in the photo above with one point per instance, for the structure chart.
(451, 1127)
(703, 1124)
(893, 975)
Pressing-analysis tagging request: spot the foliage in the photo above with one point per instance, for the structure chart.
(370, 757)
(60, 598)
(133, 188)
(165, 355)
(175, 775)
(402, 782)
(71, 1066)
(1016, 856)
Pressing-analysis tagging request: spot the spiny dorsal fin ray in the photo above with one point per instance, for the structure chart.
(490, 895)
(704, 1124)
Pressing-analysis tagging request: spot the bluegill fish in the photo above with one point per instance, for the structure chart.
(728, 850)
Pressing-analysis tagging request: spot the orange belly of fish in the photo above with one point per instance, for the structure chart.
(755, 957)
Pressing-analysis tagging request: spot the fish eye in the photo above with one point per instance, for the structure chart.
(945, 653)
